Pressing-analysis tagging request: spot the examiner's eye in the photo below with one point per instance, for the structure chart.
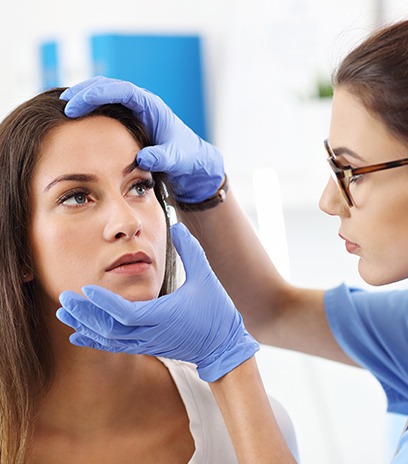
(355, 179)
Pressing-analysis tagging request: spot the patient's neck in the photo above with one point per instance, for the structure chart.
(92, 387)
(102, 403)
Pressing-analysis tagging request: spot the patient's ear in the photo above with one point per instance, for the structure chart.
(27, 276)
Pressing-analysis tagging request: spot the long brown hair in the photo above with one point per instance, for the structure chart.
(376, 72)
(26, 365)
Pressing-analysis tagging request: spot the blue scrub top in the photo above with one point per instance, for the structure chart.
(372, 328)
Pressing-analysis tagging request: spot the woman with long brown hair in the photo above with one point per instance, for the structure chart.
(76, 210)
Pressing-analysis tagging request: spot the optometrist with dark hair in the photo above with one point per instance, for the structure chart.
(367, 151)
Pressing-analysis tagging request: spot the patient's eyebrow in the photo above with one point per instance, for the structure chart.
(72, 177)
(128, 169)
(87, 177)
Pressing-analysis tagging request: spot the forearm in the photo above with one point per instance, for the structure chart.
(248, 415)
(275, 312)
(239, 260)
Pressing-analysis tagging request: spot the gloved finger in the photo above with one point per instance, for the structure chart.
(67, 298)
(125, 93)
(65, 317)
(76, 106)
(94, 318)
(192, 255)
(72, 91)
(105, 345)
(138, 313)
(158, 158)
(81, 340)
(79, 106)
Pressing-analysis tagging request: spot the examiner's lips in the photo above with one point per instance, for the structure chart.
(131, 263)
(351, 247)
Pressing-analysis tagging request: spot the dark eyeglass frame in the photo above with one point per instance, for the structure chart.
(343, 174)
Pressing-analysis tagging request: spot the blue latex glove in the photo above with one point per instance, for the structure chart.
(195, 168)
(197, 323)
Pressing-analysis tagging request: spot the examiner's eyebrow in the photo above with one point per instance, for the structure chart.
(338, 151)
(71, 177)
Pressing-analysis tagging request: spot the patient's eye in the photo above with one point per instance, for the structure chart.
(141, 187)
(74, 198)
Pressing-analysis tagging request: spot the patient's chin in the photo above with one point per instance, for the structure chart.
(139, 294)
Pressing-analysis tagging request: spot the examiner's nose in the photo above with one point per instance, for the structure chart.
(331, 201)
(123, 222)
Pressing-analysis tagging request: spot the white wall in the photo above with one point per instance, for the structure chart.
(263, 58)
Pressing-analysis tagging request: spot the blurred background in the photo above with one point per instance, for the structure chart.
(252, 77)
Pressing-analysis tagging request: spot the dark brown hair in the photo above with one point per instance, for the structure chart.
(376, 72)
(26, 365)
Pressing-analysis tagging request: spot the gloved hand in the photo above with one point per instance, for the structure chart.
(195, 168)
(197, 323)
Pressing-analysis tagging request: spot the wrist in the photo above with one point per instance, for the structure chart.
(239, 349)
(252, 425)
(219, 197)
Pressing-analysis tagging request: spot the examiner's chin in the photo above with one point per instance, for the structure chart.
(378, 276)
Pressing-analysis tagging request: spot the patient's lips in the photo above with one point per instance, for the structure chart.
(131, 264)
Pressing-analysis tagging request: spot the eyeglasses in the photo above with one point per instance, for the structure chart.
(343, 175)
